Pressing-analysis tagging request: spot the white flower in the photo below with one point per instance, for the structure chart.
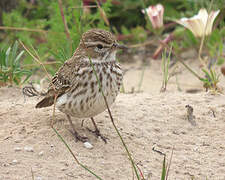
(155, 14)
(198, 24)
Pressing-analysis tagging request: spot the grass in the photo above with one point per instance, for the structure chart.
(10, 67)
(141, 78)
(211, 80)
(165, 69)
(74, 156)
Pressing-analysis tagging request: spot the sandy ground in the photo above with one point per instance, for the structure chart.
(149, 119)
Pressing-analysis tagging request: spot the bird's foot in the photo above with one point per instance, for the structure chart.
(79, 137)
(98, 134)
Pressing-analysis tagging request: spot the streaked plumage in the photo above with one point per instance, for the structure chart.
(75, 82)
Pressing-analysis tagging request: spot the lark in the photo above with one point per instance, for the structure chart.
(75, 85)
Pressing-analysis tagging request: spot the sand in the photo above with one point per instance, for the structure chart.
(29, 147)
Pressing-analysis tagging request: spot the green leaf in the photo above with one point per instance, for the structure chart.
(13, 54)
(18, 58)
(7, 56)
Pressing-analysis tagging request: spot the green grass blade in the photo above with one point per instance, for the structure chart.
(71, 152)
(16, 62)
(7, 56)
(163, 176)
(13, 54)
(111, 117)
(2, 58)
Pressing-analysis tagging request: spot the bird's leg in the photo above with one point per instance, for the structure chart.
(96, 131)
(82, 123)
(74, 132)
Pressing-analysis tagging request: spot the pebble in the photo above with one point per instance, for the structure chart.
(17, 149)
(5, 165)
(63, 169)
(18, 141)
(28, 149)
(41, 153)
(88, 145)
(14, 161)
(38, 178)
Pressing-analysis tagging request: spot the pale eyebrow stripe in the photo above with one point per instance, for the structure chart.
(91, 44)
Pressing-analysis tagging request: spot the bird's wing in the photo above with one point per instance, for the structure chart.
(60, 83)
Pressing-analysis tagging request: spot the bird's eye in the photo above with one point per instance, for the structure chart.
(99, 46)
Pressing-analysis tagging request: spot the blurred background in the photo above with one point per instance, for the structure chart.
(152, 29)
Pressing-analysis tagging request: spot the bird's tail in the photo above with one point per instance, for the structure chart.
(30, 91)
(47, 101)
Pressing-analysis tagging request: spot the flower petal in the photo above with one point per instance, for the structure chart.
(161, 12)
(155, 14)
(212, 17)
(194, 25)
(200, 23)
(197, 27)
(203, 15)
(183, 22)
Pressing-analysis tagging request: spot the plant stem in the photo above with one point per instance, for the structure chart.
(23, 29)
(65, 24)
(142, 77)
(203, 37)
(64, 20)
(188, 68)
(110, 114)
(38, 60)
(75, 158)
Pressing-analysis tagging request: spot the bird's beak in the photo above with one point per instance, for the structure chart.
(120, 46)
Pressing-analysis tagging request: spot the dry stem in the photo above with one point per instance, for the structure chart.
(64, 20)
(203, 38)
(53, 116)
(47, 63)
(142, 44)
(110, 114)
(23, 29)
(49, 77)
(36, 59)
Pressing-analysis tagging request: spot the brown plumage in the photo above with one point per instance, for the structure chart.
(75, 84)
(65, 75)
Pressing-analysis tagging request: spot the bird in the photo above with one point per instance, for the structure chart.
(81, 83)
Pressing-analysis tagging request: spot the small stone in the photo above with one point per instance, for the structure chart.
(88, 145)
(38, 178)
(18, 141)
(52, 145)
(28, 149)
(63, 169)
(17, 149)
(41, 153)
(64, 163)
(205, 144)
(195, 149)
(14, 161)
(5, 165)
